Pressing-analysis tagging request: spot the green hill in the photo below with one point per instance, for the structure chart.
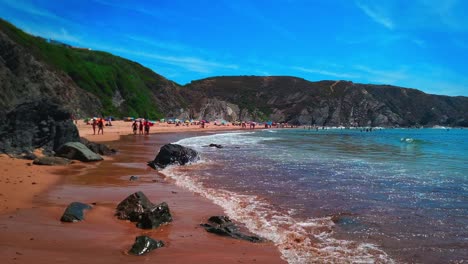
(123, 87)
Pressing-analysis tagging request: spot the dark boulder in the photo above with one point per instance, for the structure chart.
(77, 151)
(222, 225)
(215, 145)
(133, 206)
(51, 161)
(138, 208)
(27, 156)
(144, 244)
(173, 154)
(154, 217)
(38, 124)
(133, 178)
(74, 212)
(98, 148)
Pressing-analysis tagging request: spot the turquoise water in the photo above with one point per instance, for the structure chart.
(338, 195)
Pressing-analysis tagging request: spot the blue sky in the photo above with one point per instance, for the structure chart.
(421, 44)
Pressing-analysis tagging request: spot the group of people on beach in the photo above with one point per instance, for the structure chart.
(98, 122)
(139, 126)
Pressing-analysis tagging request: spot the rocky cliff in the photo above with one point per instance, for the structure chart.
(331, 103)
(23, 78)
(89, 83)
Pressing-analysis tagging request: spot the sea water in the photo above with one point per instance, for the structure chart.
(337, 195)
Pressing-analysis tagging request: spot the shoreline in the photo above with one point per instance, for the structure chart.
(33, 232)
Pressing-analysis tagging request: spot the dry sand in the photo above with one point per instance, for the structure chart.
(33, 198)
(120, 128)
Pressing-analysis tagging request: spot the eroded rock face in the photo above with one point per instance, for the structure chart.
(77, 151)
(173, 154)
(144, 244)
(74, 212)
(51, 161)
(40, 124)
(222, 225)
(138, 208)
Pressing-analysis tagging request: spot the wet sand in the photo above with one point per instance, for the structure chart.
(34, 234)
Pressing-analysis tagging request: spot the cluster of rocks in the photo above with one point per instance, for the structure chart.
(45, 125)
(139, 209)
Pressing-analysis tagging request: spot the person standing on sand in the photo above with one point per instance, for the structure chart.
(135, 127)
(141, 127)
(147, 127)
(94, 123)
(100, 124)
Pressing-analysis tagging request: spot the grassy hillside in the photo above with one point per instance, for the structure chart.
(103, 74)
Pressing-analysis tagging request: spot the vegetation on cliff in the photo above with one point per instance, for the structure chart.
(123, 87)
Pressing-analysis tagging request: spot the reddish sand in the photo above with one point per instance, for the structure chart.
(120, 128)
(32, 233)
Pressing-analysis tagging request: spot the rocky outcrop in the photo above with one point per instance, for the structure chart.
(173, 154)
(144, 244)
(98, 148)
(39, 124)
(138, 208)
(51, 161)
(222, 225)
(77, 151)
(329, 103)
(24, 78)
(74, 212)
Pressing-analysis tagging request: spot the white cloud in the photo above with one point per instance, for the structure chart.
(377, 14)
(194, 64)
(31, 9)
(326, 72)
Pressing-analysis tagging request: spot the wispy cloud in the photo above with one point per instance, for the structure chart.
(61, 35)
(193, 64)
(388, 76)
(377, 14)
(248, 10)
(326, 72)
(31, 9)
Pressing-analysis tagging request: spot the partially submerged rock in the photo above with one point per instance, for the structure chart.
(215, 145)
(51, 161)
(77, 151)
(98, 148)
(144, 244)
(74, 212)
(222, 225)
(173, 154)
(138, 208)
(133, 178)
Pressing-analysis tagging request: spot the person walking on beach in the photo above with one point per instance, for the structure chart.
(141, 127)
(100, 124)
(94, 123)
(135, 127)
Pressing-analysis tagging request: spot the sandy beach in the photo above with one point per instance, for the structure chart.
(33, 198)
(120, 128)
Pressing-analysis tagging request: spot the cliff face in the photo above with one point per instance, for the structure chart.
(23, 78)
(89, 82)
(332, 103)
